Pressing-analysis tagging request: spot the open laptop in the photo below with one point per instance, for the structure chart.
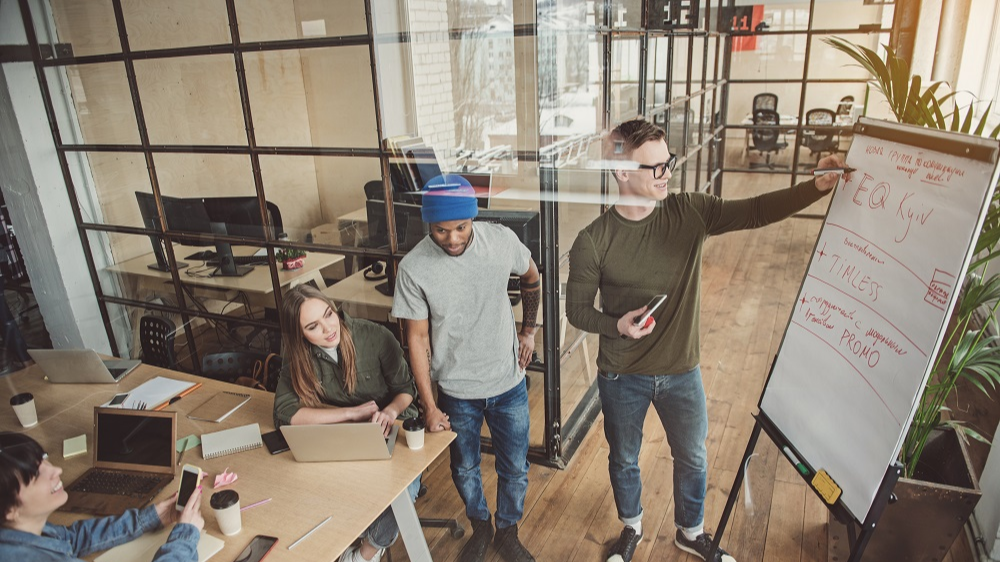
(134, 455)
(339, 442)
(81, 366)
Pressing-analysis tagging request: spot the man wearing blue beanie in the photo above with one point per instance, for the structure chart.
(451, 290)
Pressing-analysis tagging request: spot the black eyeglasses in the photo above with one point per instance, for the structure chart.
(659, 170)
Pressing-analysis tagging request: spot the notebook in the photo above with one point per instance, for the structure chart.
(145, 547)
(156, 393)
(134, 459)
(339, 442)
(75, 366)
(219, 407)
(229, 441)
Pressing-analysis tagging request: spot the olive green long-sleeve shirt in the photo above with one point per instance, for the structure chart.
(382, 374)
(631, 261)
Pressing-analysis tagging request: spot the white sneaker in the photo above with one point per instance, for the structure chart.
(353, 554)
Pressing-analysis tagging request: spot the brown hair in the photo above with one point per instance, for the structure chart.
(296, 352)
(628, 136)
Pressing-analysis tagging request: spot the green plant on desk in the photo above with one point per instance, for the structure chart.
(290, 258)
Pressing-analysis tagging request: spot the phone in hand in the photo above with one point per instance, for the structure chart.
(258, 548)
(190, 479)
(646, 317)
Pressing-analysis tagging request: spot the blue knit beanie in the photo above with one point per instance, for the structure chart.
(448, 197)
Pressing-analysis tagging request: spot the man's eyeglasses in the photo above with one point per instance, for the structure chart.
(660, 170)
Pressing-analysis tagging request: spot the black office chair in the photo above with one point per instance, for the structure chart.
(374, 191)
(227, 366)
(156, 339)
(845, 106)
(819, 135)
(765, 140)
(765, 101)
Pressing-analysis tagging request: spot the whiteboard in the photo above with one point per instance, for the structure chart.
(875, 301)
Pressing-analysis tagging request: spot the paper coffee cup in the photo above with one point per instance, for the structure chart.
(24, 407)
(226, 505)
(413, 431)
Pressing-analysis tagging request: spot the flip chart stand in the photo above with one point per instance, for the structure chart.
(858, 542)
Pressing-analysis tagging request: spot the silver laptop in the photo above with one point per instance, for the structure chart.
(81, 366)
(339, 442)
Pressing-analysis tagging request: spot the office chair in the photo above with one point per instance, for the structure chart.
(374, 191)
(845, 106)
(766, 141)
(156, 339)
(765, 101)
(227, 366)
(819, 136)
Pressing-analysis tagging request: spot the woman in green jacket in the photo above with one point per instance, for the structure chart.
(340, 369)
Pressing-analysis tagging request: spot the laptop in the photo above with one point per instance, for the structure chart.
(134, 455)
(339, 442)
(78, 366)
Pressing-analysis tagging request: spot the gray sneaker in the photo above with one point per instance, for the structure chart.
(700, 547)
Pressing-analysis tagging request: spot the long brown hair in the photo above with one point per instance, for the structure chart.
(295, 348)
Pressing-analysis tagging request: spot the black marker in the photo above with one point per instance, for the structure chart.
(824, 171)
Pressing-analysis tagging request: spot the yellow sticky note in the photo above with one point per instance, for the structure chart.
(74, 446)
(826, 487)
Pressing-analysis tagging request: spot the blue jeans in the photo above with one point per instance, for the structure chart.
(384, 530)
(507, 417)
(680, 402)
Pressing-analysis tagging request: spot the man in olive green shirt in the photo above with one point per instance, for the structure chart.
(650, 243)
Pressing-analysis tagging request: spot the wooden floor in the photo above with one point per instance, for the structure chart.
(750, 280)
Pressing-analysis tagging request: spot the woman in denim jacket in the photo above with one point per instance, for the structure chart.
(30, 491)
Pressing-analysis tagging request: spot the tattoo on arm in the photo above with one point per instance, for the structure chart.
(530, 298)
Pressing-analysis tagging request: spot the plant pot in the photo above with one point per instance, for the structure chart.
(931, 510)
(294, 263)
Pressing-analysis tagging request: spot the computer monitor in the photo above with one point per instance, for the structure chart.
(410, 229)
(191, 215)
(525, 224)
(241, 215)
(151, 220)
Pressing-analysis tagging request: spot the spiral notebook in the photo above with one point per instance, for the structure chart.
(219, 407)
(229, 441)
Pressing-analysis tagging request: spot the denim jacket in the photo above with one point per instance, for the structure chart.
(67, 544)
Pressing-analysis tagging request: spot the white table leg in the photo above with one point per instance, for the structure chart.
(409, 528)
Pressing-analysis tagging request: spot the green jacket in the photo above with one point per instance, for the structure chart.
(382, 374)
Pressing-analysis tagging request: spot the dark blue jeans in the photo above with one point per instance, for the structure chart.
(507, 417)
(680, 403)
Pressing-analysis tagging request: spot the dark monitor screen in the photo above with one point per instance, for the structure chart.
(134, 439)
(241, 215)
(525, 224)
(410, 227)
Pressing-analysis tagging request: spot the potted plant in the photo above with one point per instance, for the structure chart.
(291, 258)
(939, 489)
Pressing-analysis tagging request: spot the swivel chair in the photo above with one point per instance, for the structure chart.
(156, 339)
(765, 140)
(819, 136)
(765, 101)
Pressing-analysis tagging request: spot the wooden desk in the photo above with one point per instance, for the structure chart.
(360, 299)
(304, 494)
(256, 284)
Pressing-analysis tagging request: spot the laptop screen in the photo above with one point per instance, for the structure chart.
(134, 437)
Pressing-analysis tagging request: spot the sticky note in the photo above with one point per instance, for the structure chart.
(826, 487)
(74, 446)
(189, 442)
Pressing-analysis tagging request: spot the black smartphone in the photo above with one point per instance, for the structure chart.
(118, 399)
(257, 549)
(275, 442)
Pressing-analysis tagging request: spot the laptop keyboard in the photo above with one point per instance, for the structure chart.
(115, 483)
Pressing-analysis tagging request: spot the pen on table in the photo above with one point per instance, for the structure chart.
(824, 171)
(795, 460)
(184, 447)
(313, 530)
(255, 504)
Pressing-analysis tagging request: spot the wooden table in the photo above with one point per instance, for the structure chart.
(304, 494)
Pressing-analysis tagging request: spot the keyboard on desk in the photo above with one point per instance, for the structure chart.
(241, 260)
(115, 483)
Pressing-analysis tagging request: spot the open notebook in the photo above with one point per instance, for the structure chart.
(144, 547)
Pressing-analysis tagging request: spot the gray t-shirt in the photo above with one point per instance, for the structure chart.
(473, 336)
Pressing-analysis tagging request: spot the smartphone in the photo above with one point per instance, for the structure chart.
(651, 307)
(257, 549)
(190, 478)
(118, 399)
(275, 442)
